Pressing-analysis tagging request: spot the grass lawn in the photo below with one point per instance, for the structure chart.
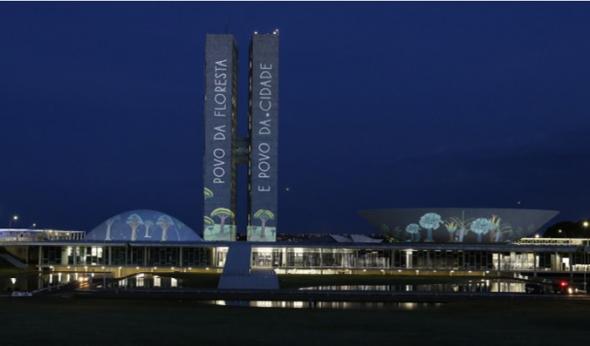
(90, 321)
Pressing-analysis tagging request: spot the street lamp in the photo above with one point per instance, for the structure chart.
(13, 220)
(585, 224)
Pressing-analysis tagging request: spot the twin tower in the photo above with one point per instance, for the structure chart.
(224, 150)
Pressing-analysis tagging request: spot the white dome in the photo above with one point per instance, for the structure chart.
(143, 225)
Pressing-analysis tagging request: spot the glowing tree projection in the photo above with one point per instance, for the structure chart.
(147, 224)
(462, 225)
(430, 222)
(207, 193)
(179, 226)
(208, 223)
(480, 227)
(223, 214)
(134, 221)
(451, 227)
(264, 215)
(164, 222)
(110, 223)
(498, 229)
(413, 230)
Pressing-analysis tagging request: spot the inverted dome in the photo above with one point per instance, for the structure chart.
(143, 225)
(464, 225)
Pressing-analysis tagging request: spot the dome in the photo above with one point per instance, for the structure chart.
(142, 225)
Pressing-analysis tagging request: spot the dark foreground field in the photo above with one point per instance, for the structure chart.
(90, 321)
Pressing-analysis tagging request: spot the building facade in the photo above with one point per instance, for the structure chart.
(264, 128)
(224, 150)
(219, 166)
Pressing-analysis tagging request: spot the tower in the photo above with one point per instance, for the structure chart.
(219, 166)
(224, 150)
(264, 126)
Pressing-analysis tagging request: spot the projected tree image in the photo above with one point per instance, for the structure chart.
(223, 214)
(110, 223)
(142, 225)
(430, 222)
(480, 227)
(463, 225)
(134, 221)
(451, 227)
(414, 230)
(164, 222)
(264, 216)
(207, 193)
(147, 224)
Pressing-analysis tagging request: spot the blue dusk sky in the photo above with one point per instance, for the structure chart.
(381, 105)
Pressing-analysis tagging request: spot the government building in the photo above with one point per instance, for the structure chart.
(446, 241)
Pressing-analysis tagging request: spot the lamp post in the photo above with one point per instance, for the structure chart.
(13, 220)
(585, 282)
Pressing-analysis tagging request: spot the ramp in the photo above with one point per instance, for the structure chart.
(237, 273)
(13, 260)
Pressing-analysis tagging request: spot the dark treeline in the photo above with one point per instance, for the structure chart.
(569, 229)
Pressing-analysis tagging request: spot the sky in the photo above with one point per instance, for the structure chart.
(382, 105)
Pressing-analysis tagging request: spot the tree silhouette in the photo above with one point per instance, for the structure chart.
(110, 223)
(430, 222)
(264, 215)
(451, 227)
(496, 228)
(207, 193)
(414, 230)
(208, 221)
(568, 229)
(134, 221)
(223, 214)
(148, 224)
(165, 222)
(462, 225)
(480, 227)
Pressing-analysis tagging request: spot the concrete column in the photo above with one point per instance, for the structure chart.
(409, 259)
(284, 257)
(40, 259)
(464, 265)
(180, 256)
